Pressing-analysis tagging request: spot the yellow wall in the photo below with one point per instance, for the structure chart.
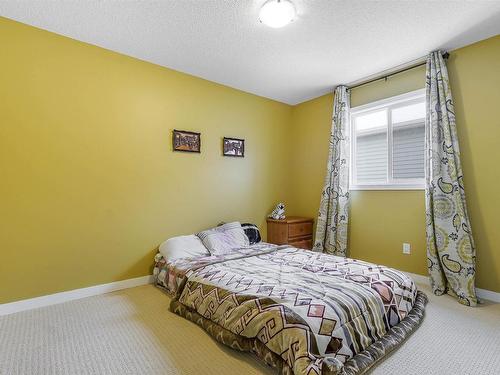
(382, 220)
(89, 183)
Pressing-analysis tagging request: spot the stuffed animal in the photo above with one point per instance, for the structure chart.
(278, 212)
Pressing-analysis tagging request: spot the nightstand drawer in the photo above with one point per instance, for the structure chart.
(294, 230)
(302, 244)
(300, 229)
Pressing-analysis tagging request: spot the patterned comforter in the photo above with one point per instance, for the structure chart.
(300, 311)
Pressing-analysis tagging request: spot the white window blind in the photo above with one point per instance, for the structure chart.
(388, 139)
(408, 152)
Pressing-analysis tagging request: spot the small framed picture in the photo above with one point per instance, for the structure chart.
(186, 141)
(234, 147)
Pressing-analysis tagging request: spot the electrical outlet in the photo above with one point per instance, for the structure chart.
(406, 248)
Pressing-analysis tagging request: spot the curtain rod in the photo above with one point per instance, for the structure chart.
(385, 76)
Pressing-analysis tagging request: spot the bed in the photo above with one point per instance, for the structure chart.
(299, 311)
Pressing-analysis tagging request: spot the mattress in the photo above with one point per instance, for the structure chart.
(301, 312)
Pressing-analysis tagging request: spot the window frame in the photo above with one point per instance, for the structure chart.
(388, 104)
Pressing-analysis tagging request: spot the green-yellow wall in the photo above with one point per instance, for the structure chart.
(382, 220)
(89, 185)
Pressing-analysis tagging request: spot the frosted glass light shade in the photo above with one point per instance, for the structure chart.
(277, 13)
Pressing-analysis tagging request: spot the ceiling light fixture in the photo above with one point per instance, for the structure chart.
(277, 13)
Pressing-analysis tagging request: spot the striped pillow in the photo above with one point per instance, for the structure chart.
(224, 238)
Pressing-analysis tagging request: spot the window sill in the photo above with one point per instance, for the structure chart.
(387, 187)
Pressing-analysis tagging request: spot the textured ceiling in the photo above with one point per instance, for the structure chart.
(331, 42)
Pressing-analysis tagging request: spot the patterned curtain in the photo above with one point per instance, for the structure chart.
(450, 246)
(333, 218)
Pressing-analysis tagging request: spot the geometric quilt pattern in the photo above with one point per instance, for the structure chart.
(308, 308)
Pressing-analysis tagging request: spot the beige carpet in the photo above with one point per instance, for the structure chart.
(132, 332)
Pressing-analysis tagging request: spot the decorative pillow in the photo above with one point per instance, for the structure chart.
(183, 247)
(224, 238)
(252, 232)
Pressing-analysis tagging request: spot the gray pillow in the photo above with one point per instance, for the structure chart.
(223, 239)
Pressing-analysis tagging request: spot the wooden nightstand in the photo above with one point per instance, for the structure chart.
(295, 231)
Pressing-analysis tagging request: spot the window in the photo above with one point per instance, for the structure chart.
(387, 143)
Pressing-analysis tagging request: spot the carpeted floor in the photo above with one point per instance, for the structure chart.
(132, 332)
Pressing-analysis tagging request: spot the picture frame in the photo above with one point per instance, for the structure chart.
(234, 147)
(186, 141)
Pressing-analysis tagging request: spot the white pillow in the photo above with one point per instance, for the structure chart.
(222, 239)
(183, 247)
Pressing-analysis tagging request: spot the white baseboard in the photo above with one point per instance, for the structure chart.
(481, 293)
(52, 299)
(488, 294)
(70, 295)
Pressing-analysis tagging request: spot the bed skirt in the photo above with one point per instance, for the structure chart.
(358, 364)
